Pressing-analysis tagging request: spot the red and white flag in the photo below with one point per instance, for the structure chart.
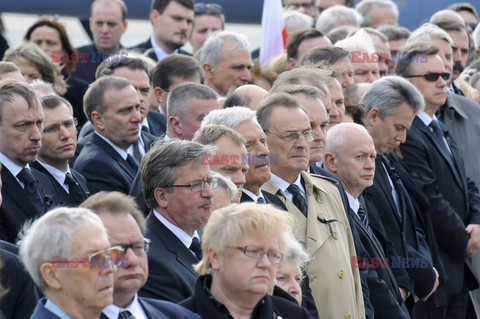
(274, 35)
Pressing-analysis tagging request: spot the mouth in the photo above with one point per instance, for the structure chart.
(34, 149)
(66, 147)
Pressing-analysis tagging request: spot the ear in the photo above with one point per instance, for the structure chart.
(160, 197)
(90, 23)
(97, 120)
(125, 25)
(208, 69)
(372, 117)
(330, 162)
(292, 64)
(153, 16)
(176, 125)
(214, 260)
(50, 275)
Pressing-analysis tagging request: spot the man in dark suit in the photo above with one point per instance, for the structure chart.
(108, 21)
(21, 124)
(350, 154)
(125, 225)
(388, 123)
(107, 161)
(77, 285)
(59, 140)
(177, 187)
(171, 22)
(433, 155)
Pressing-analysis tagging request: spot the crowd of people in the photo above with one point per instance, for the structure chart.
(337, 180)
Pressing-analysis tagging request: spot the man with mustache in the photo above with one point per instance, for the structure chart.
(59, 140)
(107, 161)
(171, 24)
(125, 225)
(21, 127)
(177, 186)
(316, 206)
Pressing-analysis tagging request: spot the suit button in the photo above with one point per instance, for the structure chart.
(348, 316)
(341, 274)
(335, 235)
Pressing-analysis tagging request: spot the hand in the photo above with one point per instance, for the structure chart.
(435, 286)
(404, 292)
(473, 245)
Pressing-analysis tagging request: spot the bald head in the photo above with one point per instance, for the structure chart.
(447, 15)
(248, 95)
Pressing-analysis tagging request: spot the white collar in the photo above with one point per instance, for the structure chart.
(120, 151)
(353, 202)
(56, 173)
(283, 185)
(252, 195)
(12, 166)
(177, 231)
(158, 50)
(112, 311)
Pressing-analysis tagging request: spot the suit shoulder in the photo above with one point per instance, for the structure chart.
(330, 180)
(167, 308)
(289, 309)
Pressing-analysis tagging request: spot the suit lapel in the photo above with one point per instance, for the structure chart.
(12, 189)
(383, 183)
(97, 140)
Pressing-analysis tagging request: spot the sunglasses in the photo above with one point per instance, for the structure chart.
(208, 8)
(432, 77)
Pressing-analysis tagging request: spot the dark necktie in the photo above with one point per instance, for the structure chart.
(75, 191)
(132, 162)
(196, 247)
(136, 152)
(362, 214)
(145, 129)
(438, 135)
(31, 188)
(260, 200)
(298, 200)
(125, 315)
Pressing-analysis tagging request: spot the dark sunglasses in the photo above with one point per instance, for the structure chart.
(207, 8)
(432, 77)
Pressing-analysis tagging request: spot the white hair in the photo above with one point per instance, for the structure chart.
(328, 19)
(295, 20)
(428, 31)
(230, 117)
(476, 37)
(365, 6)
(360, 41)
(227, 184)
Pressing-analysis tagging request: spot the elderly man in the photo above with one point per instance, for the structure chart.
(230, 156)
(432, 154)
(21, 126)
(187, 105)
(112, 105)
(178, 189)
(9, 70)
(171, 24)
(125, 225)
(225, 58)
(315, 204)
(108, 21)
(59, 140)
(377, 12)
(351, 156)
(67, 253)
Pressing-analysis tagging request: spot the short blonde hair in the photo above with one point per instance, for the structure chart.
(227, 226)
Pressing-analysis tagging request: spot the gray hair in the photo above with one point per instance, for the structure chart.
(329, 17)
(52, 235)
(160, 166)
(296, 20)
(306, 75)
(388, 93)
(365, 6)
(414, 53)
(428, 31)
(178, 101)
(231, 117)
(212, 49)
(210, 133)
(297, 253)
(338, 135)
(476, 37)
(272, 102)
(227, 184)
(394, 32)
(307, 90)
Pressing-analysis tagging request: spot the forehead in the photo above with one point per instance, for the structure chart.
(287, 119)
(107, 10)
(225, 145)
(45, 30)
(175, 8)
(198, 106)
(116, 98)
(192, 171)
(335, 89)
(443, 45)
(58, 112)
(249, 128)
(365, 66)
(132, 75)
(434, 64)
(359, 141)
(459, 38)
(120, 226)
(231, 52)
(89, 239)
(314, 106)
(344, 64)
(207, 20)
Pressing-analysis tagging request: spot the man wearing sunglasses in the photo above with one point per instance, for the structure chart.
(125, 225)
(432, 154)
(69, 257)
(177, 186)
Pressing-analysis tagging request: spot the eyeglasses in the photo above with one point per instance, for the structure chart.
(111, 257)
(472, 25)
(207, 8)
(290, 137)
(257, 253)
(198, 186)
(56, 127)
(139, 247)
(432, 77)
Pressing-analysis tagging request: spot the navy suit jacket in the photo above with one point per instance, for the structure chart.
(160, 309)
(59, 195)
(171, 275)
(157, 123)
(16, 206)
(21, 296)
(143, 47)
(269, 199)
(41, 312)
(458, 204)
(103, 167)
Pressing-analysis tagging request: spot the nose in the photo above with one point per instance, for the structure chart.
(105, 28)
(246, 77)
(370, 163)
(131, 259)
(441, 83)
(334, 114)
(262, 150)
(402, 137)
(44, 47)
(239, 179)
(64, 132)
(36, 134)
(136, 116)
(348, 81)
(294, 288)
(207, 191)
(371, 77)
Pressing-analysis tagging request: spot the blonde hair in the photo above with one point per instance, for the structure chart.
(227, 226)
